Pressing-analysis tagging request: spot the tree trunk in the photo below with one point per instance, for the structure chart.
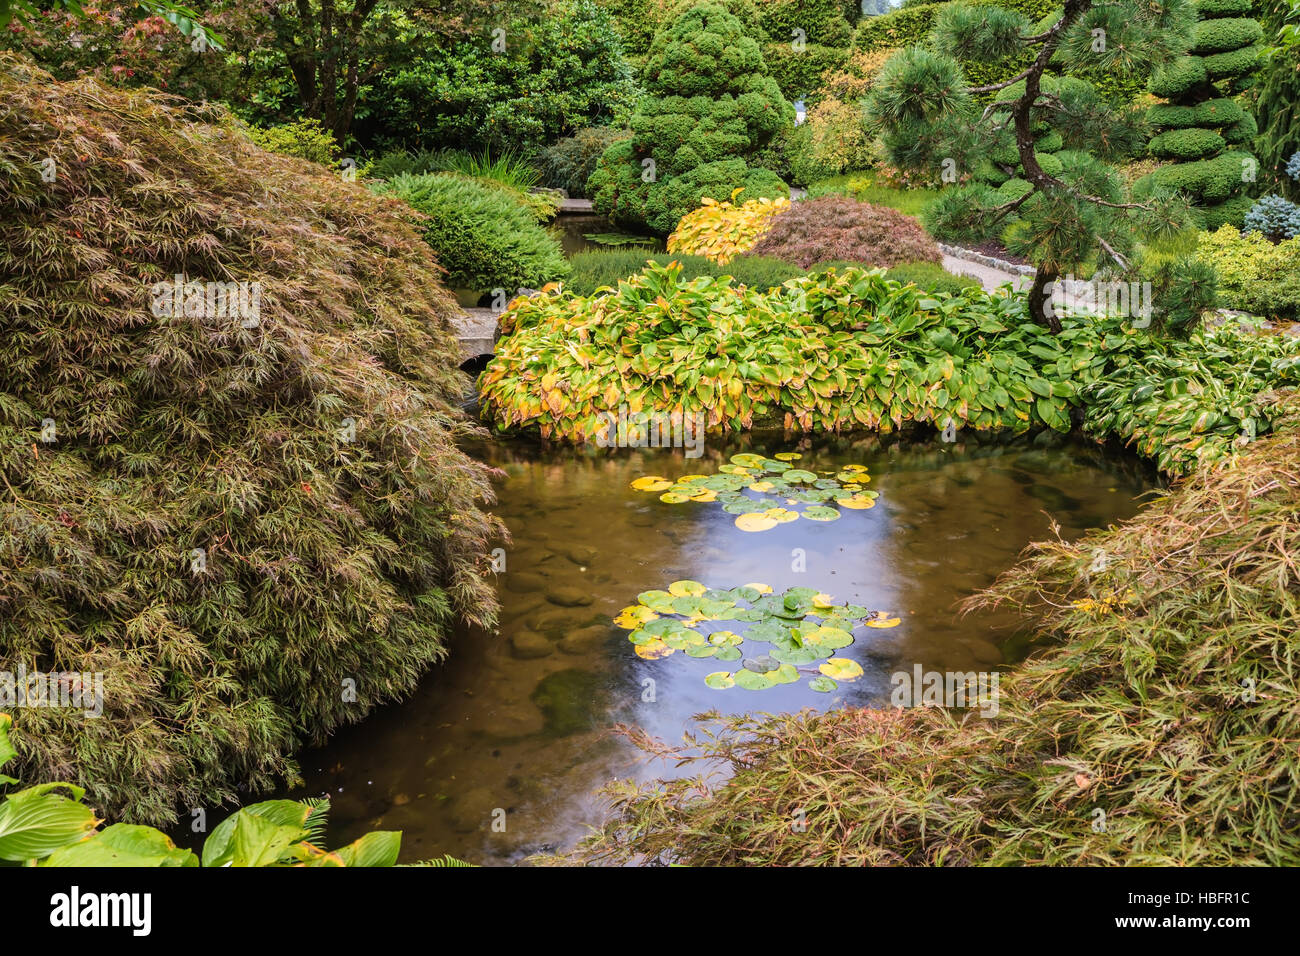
(1039, 306)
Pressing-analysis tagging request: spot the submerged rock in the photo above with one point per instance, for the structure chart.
(569, 596)
(587, 640)
(527, 645)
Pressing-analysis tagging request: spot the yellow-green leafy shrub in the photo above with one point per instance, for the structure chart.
(722, 231)
(1255, 275)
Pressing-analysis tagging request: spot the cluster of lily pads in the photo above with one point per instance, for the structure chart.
(786, 492)
(682, 617)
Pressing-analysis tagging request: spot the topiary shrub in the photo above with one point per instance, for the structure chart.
(250, 513)
(710, 107)
(1199, 123)
(480, 235)
(568, 163)
(833, 228)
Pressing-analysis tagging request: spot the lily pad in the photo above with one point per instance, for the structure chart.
(760, 665)
(686, 589)
(823, 684)
(856, 502)
(755, 522)
(701, 650)
(727, 654)
(660, 601)
(674, 498)
(720, 680)
(820, 513)
(652, 483)
(841, 668)
(634, 616)
(787, 456)
(748, 460)
(725, 638)
(882, 620)
(653, 650)
(749, 680)
(798, 474)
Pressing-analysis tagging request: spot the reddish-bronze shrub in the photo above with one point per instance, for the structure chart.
(836, 228)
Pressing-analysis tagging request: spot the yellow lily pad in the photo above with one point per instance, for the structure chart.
(720, 680)
(787, 456)
(883, 620)
(651, 483)
(755, 521)
(760, 588)
(856, 502)
(686, 589)
(674, 497)
(837, 668)
(653, 650)
(761, 486)
(630, 618)
(860, 468)
(781, 515)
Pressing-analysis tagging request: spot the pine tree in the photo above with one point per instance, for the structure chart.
(1063, 209)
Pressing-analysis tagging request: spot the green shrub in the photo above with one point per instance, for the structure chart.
(1211, 114)
(710, 106)
(836, 228)
(1176, 79)
(304, 138)
(1233, 63)
(931, 278)
(1220, 36)
(559, 72)
(1186, 144)
(568, 163)
(592, 270)
(842, 350)
(264, 504)
(479, 234)
(1254, 274)
(799, 73)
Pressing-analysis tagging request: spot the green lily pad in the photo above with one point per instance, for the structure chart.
(720, 680)
(747, 460)
(642, 637)
(820, 513)
(725, 638)
(704, 650)
(727, 654)
(798, 474)
(751, 681)
(785, 674)
(686, 589)
(798, 656)
(823, 684)
(660, 601)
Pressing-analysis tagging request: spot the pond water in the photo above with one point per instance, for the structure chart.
(520, 721)
(574, 228)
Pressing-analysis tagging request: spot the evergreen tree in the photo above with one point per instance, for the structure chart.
(1201, 127)
(710, 107)
(1277, 105)
(1061, 211)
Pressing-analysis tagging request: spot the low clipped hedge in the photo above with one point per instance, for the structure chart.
(1211, 113)
(481, 236)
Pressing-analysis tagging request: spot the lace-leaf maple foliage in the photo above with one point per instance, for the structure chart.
(255, 528)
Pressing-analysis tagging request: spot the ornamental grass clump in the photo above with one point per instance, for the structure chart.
(1155, 726)
(836, 228)
(255, 524)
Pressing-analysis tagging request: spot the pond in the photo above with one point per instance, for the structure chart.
(519, 722)
(573, 230)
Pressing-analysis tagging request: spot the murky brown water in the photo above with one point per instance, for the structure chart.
(518, 722)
